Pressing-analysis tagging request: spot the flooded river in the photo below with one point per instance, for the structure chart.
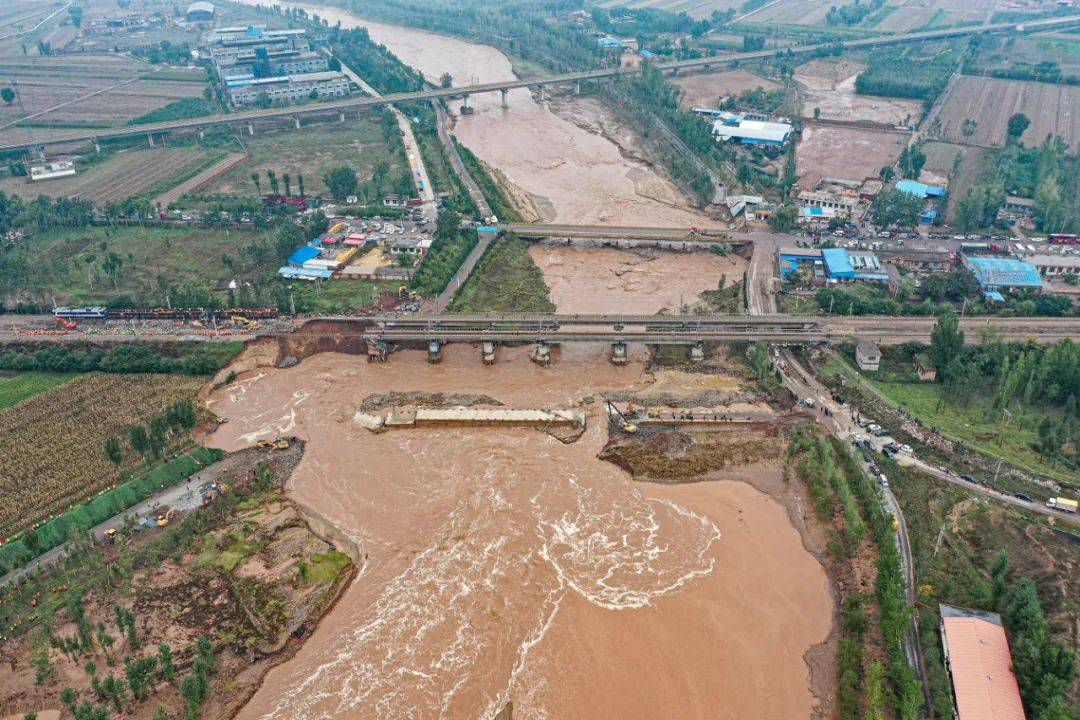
(572, 175)
(505, 566)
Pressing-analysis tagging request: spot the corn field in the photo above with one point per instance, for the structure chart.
(54, 442)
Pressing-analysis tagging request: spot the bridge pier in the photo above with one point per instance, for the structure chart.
(376, 351)
(487, 353)
(97, 147)
(697, 352)
(618, 353)
(150, 139)
(464, 102)
(434, 352)
(504, 93)
(541, 93)
(542, 354)
(202, 133)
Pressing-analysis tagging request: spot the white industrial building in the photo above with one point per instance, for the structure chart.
(750, 130)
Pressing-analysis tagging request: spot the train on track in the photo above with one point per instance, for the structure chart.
(103, 313)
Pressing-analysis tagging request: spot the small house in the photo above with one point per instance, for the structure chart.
(867, 355)
(924, 369)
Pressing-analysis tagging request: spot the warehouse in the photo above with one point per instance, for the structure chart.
(742, 129)
(294, 62)
(918, 189)
(995, 273)
(980, 665)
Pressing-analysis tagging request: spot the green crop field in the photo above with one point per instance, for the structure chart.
(16, 387)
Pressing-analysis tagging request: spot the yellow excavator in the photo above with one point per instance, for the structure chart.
(163, 518)
(277, 444)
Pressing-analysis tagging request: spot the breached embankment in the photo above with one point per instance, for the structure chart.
(505, 566)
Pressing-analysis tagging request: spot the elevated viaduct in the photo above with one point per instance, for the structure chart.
(295, 112)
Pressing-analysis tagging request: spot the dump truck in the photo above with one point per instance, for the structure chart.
(1060, 503)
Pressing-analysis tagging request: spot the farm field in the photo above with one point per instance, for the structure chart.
(54, 90)
(311, 151)
(919, 14)
(794, 12)
(847, 153)
(66, 264)
(705, 90)
(199, 180)
(1052, 109)
(829, 84)
(1062, 49)
(16, 387)
(696, 9)
(125, 174)
(39, 478)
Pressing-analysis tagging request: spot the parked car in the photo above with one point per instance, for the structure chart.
(968, 478)
(1023, 496)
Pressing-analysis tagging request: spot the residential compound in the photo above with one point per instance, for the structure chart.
(260, 66)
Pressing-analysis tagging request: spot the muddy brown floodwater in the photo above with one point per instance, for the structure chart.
(606, 280)
(568, 173)
(503, 565)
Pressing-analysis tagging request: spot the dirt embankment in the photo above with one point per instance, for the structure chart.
(255, 578)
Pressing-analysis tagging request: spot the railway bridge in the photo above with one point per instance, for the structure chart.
(692, 331)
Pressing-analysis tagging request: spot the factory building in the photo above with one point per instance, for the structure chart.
(287, 63)
(287, 88)
(995, 274)
(842, 265)
(750, 130)
(920, 190)
(980, 665)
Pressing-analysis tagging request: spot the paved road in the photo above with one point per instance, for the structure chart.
(457, 164)
(417, 169)
(433, 93)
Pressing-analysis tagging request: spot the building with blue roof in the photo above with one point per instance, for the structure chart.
(303, 254)
(996, 273)
(918, 189)
(838, 264)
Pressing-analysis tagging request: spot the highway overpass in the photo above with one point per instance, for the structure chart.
(297, 111)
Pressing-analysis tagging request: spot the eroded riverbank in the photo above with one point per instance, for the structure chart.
(504, 565)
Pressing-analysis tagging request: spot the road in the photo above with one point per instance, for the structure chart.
(183, 497)
(417, 169)
(709, 63)
(457, 164)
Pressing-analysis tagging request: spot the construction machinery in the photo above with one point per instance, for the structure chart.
(110, 535)
(164, 515)
(276, 444)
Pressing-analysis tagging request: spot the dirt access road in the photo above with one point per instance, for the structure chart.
(182, 497)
